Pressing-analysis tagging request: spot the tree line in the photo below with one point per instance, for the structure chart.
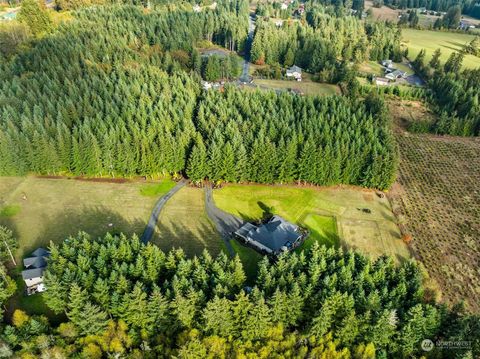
(122, 298)
(454, 92)
(468, 7)
(268, 138)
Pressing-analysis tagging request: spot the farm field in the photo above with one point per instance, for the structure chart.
(184, 223)
(52, 209)
(447, 42)
(437, 199)
(333, 215)
(306, 86)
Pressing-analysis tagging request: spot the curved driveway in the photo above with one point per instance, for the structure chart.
(152, 222)
(225, 223)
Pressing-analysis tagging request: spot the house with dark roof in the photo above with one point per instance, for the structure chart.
(35, 266)
(273, 237)
(397, 74)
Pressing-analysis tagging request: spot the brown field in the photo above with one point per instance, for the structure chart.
(437, 201)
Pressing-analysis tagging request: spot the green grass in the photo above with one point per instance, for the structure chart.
(334, 216)
(447, 42)
(323, 229)
(53, 209)
(157, 189)
(184, 223)
(249, 257)
(307, 87)
(10, 210)
(371, 67)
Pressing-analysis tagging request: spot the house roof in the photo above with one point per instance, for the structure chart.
(39, 252)
(34, 262)
(275, 234)
(294, 68)
(32, 273)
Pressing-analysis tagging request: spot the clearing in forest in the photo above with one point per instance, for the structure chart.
(53, 209)
(335, 216)
(183, 223)
(306, 86)
(437, 199)
(447, 42)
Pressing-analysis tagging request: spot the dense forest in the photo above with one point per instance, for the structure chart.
(124, 298)
(116, 92)
(264, 137)
(324, 42)
(455, 93)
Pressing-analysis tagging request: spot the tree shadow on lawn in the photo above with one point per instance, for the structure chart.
(173, 235)
(96, 221)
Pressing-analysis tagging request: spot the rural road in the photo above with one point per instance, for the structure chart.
(225, 223)
(246, 64)
(152, 222)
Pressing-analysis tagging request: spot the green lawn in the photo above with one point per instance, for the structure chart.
(157, 189)
(52, 209)
(447, 42)
(333, 215)
(307, 87)
(323, 229)
(184, 223)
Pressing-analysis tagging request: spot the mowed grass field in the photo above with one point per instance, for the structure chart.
(447, 42)
(306, 86)
(53, 209)
(333, 215)
(184, 223)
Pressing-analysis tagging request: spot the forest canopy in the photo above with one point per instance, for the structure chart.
(121, 296)
(116, 92)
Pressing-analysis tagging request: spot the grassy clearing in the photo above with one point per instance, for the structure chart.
(447, 42)
(306, 86)
(9, 210)
(53, 209)
(184, 223)
(323, 229)
(318, 209)
(438, 201)
(157, 189)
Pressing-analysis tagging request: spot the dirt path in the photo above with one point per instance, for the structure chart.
(152, 222)
(225, 223)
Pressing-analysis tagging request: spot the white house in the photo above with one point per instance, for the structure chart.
(284, 6)
(381, 81)
(295, 72)
(197, 8)
(388, 64)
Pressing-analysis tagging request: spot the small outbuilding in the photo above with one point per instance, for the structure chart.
(295, 72)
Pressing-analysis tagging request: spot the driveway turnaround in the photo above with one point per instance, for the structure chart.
(152, 222)
(225, 223)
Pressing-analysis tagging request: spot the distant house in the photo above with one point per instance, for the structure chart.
(295, 72)
(397, 74)
(388, 64)
(381, 81)
(284, 6)
(465, 25)
(35, 266)
(274, 237)
(197, 8)
(301, 9)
